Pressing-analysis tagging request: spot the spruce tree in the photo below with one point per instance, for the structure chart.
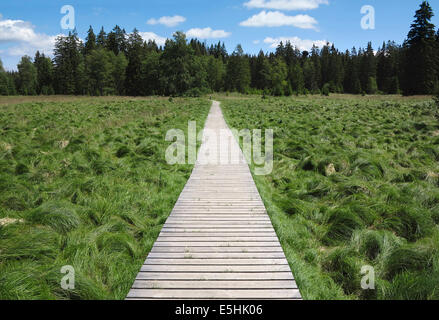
(90, 41)
(101, 39)
(279, 74)
(177, 63)
(4, 90)
(420, 54)
(295, 78)
(262, 72)
(135, 55)
(45, 74)
(27, 75)
(238, 71)
(316, 61)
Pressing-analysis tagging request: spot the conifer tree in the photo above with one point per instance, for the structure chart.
(90, 41)
(135, 55)
(420, 54)
(27, 76)
(238, 71)
(4, 85)
(45, 74)
(101, 39)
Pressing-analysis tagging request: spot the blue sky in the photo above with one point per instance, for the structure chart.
(28, 25)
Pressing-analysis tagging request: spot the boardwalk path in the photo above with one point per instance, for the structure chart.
(218, 242)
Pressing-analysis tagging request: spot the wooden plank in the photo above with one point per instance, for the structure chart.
(201, 249)
(254, 276)
(217, 239)
(216, 244)
(218, 255)
(218, 230)
(209, 225)
(214, 294)
(216, 234)
(208, 268)
(215, 262)
(219, 215)
(213, 219)
(214, 284)
(219, 223)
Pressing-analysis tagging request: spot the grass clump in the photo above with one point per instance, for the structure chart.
(342, 223)
(60, 216)
(408, 258)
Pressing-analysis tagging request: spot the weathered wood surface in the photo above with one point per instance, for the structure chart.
(218, 242)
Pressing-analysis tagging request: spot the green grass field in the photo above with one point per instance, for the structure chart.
(84, 182)
(355, 182)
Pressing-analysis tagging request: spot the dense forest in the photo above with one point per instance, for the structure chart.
(117, 63)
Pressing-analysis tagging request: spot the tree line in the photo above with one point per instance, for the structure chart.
(118, 63)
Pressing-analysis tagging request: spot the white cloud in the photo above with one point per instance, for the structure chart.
(207, 33)
(278, 19)
(24, 38)
(295, 41)
(152, 36)
(167, 21)
(285, 4)
(256, 41)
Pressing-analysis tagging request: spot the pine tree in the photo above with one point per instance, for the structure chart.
(261, 78)
(27, 76)
(316, 61)
(177, 63)
(279, 75)
(216, 72)
(45, 74)
(69, 65)
(352, 83)
(135, 54)
(12, 88)
(4, 87)
(150, 74)
(90, 41)
(101, 39)
(388, 61)
(325, 57)
(238, 71)
(368, 70)
(420, 55)
(309, 74)
(120, 64)
(295, 78)
(116, 40)
(99, 70)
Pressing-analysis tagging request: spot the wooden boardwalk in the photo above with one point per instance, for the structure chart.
(218, 242)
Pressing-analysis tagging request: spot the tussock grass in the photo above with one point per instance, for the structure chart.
(89, 181)
(355, 183)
